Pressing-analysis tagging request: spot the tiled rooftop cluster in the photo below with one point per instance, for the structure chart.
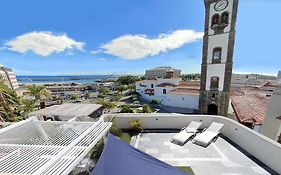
(250, 104)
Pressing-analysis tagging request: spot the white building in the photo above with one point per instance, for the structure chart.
(170, 92)
(272, 122)
(9, 77)
(160, 72)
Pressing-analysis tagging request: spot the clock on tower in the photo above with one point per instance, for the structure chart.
(217, 59)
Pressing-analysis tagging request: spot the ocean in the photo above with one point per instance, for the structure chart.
(83, 79)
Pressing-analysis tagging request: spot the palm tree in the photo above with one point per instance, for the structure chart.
(9, 103)
(38, 92)
(27, 106)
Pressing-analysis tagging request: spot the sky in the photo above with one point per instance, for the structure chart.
(65, 37)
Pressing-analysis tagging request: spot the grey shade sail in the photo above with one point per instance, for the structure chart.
(119, 158)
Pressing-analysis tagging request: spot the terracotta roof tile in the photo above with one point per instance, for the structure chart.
(185, 91)
(166, 85)
(250, 107)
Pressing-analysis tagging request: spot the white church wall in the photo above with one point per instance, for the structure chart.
(218, 41)
(181, 101)
(218, 71)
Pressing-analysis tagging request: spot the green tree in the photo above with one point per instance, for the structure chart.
(9, 104)
(127, 80)
(116, 97)
(73, 97)
(155, 101)
(28, 105)
(87, 95)
(39, 93)
(126, 109)
(146, 108)
(106, 104)
(103, 90)
(121, 88)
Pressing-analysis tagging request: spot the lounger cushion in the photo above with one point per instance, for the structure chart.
(182, 137)
(193, 130)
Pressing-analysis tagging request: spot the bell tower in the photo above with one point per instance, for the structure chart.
(217, 59)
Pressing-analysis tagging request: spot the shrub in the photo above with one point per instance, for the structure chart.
(106, 104)
(155, 101)
(146, 108)
(116, 97)
(136, 126)
(114, 130)
(97, 150)
(126, 109)
(136, 102)
(74, 97)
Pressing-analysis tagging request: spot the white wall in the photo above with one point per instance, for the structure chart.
(218, 41)
(182, 101)
(264, 149)
(271, 125)
(218, 71)
(173, 100)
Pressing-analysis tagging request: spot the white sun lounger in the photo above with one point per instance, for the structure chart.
(207, 136)
(186, 133)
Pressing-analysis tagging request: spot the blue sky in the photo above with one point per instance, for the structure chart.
(127, 37)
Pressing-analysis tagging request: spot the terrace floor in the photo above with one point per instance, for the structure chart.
(219, 158)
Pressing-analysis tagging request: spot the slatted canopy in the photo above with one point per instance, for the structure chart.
(38, 147)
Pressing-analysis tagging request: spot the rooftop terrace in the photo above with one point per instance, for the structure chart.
(238, 150)
(220, 157)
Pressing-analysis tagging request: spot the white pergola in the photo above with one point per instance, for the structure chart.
(38, 147)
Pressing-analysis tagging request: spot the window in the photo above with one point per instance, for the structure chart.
(213, 95)
(215, 20)
(164, 91)
(151, 85)
(217, 55)
(214, 83)
(224, 18)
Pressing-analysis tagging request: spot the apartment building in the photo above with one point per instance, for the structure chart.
(160, 72)
(9, 77)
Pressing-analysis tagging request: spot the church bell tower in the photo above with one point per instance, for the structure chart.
(217, 60)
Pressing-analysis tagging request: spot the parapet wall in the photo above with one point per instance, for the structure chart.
(259, 146)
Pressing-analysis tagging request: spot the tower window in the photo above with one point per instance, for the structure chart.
(151, 85)
(164, 91)
(217, 52)
(224, 18)
(215, 20)
(214, 83)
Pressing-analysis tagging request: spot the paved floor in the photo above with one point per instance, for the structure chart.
(219, 158)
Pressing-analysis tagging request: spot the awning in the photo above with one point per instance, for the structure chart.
(37, 147)
(119, 158)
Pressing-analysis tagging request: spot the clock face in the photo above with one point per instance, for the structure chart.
(221, 5)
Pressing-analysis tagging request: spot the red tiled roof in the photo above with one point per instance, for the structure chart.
(185, 91)
(166, 85)
(149, 90)
(190, 83)
(249, 108)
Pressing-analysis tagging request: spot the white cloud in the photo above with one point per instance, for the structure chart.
(138, 46)
(43, 43)
(102, 59)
